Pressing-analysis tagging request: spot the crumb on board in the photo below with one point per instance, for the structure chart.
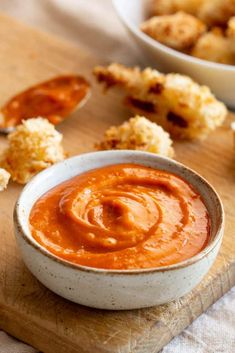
(181, 106)
(33, 146)
(4, 179)
(138, 133)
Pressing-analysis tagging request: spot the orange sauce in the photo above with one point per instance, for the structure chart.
(123, 216)
(54, 99)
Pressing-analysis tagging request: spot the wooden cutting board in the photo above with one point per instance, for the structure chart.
(27, 309)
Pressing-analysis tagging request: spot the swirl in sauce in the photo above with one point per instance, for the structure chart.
(123, 216)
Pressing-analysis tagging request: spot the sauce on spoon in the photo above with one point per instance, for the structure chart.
(54, 99)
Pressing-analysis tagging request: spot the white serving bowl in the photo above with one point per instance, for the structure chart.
(219, 77)
(114, 289)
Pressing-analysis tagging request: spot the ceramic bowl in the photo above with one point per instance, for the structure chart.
(219, 77)
(114, 289)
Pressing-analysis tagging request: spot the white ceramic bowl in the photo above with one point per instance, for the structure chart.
(114, 289)
(219, 77)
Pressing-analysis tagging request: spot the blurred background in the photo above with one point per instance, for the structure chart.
(90, 23)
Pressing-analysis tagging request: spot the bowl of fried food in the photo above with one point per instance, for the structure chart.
(192, 37)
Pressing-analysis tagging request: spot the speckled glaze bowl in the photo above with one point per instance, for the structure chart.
(114, 289)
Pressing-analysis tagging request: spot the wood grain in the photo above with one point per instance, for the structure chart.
(27, 309)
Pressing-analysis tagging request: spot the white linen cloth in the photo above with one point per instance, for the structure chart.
(94, 25)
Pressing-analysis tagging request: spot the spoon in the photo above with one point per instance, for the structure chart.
(55, 100)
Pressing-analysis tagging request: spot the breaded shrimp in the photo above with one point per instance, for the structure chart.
(176, 102)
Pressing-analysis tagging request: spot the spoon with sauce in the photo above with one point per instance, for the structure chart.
(55, 100)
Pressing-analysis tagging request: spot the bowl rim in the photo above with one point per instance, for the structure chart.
(24, 231)
(175, 53)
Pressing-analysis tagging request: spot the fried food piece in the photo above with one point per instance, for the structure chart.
(211, 12)
(4, 179)
(138, 133)
(231, 28)
(176, 102)
(233, 130)
(216, 12)
(179, 31)
(230, 33)
(33, 146)
(214, 46)
(167, 7)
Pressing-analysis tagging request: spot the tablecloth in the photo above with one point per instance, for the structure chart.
(94, 25)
